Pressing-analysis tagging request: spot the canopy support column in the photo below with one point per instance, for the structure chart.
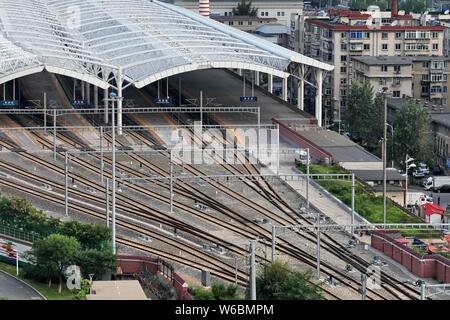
(88, 93)
(257, 78)
(270, 83)
(105, 101)
(285, 89)
(301, 88)
(96, 97)
(119, 80)
(319, 78)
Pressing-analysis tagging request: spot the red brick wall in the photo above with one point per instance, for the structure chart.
(426, 266)
(133, 264)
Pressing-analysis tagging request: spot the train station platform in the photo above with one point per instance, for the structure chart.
(117, 290)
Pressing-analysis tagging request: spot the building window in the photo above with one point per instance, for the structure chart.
(343, 58)
(435, 35)
(397, 68)
(328, 91)
(384, 46)
(425, 77)
(396, 94)
(398, 46)
(366, 46)
(384, 35)
(425, 64)
(343, 69)
(241, 23)
(398, 35)
(282, 13)
(435, 46)
(396, 81)
(343, 92)
(278, 13)
(230, 23)
(384, 68)
(343, 46)
(436, 89)
(356, 34)
(344, 81)
(343, 35)
(437, 77)
(425, 89)
(250, 23)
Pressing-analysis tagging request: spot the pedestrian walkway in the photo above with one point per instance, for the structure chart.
(14, 289)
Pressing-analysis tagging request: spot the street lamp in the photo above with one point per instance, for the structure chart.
(392, 144)
(113, 97)
(384, 92)
(408, 166)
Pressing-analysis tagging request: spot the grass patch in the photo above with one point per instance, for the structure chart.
(50, 293)
(367, 204)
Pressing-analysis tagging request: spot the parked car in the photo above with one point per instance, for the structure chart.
(442, 189)
(418, 174)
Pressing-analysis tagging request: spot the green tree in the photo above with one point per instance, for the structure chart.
(416, 6)
(363, 115)
(277, 281)
(218, 291)
(413, 134)
(53, 255)
(95, 261)
(364, 4)
(245, 8)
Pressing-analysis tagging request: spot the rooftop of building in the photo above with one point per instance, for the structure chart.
(346, 27)
(117, 290)
(241, 18)
(384, 60)
(440, 114)
(272, 29)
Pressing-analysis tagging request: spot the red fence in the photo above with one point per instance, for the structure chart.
(424, 266)
(292, 135)
(131, 265)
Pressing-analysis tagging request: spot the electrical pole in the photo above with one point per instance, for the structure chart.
(307, 179)
(274, 242)
(384, 156)
(113, 204)
(54, 134)
(102, 164)
(107, 202)
(252, 270)
(353, 204)
(364, 286)
(171, 182)
(318, 244)
(66, 183)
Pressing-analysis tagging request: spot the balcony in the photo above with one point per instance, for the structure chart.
(356, 47)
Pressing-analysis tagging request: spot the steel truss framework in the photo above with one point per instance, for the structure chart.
(106, 43)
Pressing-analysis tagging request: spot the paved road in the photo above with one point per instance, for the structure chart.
(13, 289)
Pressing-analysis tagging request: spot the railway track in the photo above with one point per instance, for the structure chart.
(269, 194)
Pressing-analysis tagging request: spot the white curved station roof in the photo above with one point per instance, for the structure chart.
(146, 40)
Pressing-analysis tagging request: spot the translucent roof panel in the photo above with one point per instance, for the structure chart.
(147, 40)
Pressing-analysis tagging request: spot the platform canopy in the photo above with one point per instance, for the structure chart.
(143, 40)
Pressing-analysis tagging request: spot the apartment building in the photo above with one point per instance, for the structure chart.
(431, 79)
(394, 73)
(244, 23)
(278, 9)
(347, 34)
(425, 78)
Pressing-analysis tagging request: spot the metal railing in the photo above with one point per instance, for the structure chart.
(18, 234)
